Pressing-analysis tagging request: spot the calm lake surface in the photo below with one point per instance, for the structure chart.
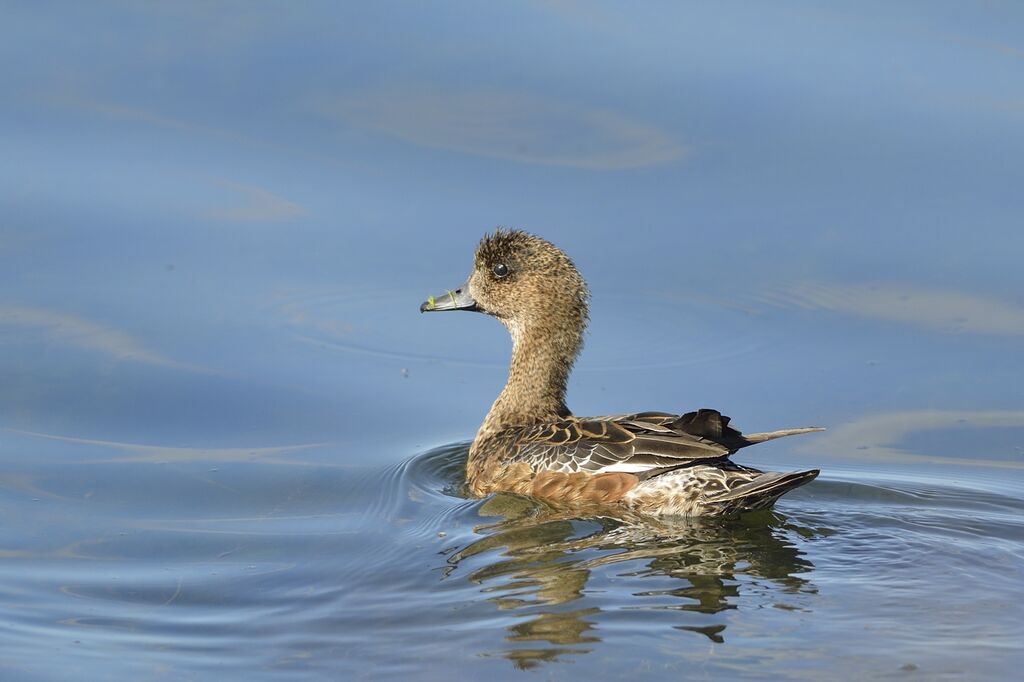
(231, 448)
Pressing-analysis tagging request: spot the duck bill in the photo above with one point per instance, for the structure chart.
(452, 299)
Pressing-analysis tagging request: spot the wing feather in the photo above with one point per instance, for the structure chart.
(645, 443)
(605, 445)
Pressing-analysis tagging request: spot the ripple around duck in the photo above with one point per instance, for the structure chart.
(377, 324)
(423, 499)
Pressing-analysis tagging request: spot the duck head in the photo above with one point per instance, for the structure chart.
(526, 282)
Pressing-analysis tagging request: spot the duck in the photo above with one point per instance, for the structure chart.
(530, 443)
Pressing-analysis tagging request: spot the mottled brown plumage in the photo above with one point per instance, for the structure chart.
(531, 444)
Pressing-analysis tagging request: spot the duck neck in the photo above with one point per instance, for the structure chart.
(537, 378)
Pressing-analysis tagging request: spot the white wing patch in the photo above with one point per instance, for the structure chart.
(627, 467)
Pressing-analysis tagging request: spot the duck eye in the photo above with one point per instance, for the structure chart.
(500, 270)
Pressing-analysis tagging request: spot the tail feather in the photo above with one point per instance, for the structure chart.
(782, 433)
(714, 426)
(762, 492)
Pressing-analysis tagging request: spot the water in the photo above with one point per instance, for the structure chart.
(230, 447)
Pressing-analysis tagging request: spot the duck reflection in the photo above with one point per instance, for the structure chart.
(538, 560)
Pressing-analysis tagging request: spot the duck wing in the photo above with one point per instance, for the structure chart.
(644, 444)
(598, 446)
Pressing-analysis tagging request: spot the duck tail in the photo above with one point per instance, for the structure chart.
(714, 425)
(782, 433)
(763, 491)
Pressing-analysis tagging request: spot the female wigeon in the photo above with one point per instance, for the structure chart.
(530, 443)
